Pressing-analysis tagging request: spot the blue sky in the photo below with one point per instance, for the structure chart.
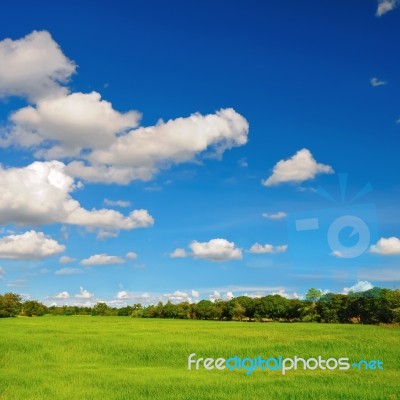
(154, 151)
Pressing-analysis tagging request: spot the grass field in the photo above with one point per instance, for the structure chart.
(118, 358)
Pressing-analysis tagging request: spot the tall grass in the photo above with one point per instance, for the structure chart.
(89, 358)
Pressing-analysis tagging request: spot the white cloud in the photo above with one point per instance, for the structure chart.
(30, 245)
(229, 295)
(278, 215)
(102, 259)
(387, 247)
(62, 295)
(72, 122)
(195, 293)
(106, 145)
(215, 295)
(68, 271)
(178, 253)
(83, 294)
(66, 260)
(375, 82)
(216, 250)
(33, 66)
(384, 6)
(131, 255)
(177, 297)
(2, 272)
(299, 168)
(78, 121)
(142, 152)
(117, 203)
(123, 294)
(267, 248)
(40, 193)
(360, 286)
(132, 297)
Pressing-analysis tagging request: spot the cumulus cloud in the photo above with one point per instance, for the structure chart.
(73, 122)
(41, 193)
(33, 67)
(215, 250)
(360, 286)
(387, 247)
(142, 152)
(66, 260)
(62, 295)
(384, 6)
(195, 293)
(377, 82)
(229, 295)
(68, 271)
(215, 295)
(83, 122)
(125, 295)
(278, 215)
(102, 259)
(117, 203)
(30, 245)
(105, 145)
(2, 272)
(178, 253)
(299, 168)
(177, 297)
(267, 248)
(83, 294)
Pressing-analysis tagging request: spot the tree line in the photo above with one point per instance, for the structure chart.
(374, 306)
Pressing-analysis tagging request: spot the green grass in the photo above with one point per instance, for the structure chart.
(118, 358)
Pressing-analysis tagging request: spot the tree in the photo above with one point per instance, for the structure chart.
(101, 309)
(184, 310)
(10, 305)
(204, 309)
(313, 295)
(169, 310)
(33, 308)
(238, 311)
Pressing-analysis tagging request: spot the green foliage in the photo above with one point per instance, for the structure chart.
(33, 308)
(10, 305)
(313, 295)
(374, 306)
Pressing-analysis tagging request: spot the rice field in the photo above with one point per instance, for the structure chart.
(122, 358)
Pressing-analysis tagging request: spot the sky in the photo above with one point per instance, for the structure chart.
(155, 151)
